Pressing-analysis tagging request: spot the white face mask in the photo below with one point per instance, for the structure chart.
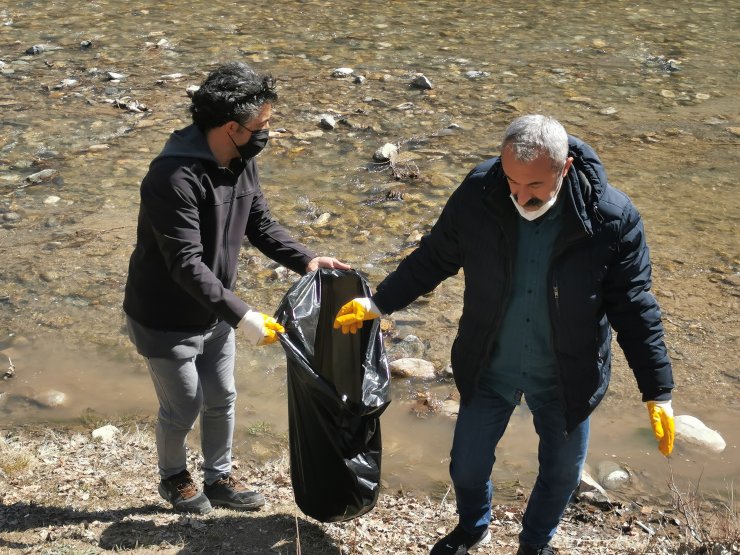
(531, 215)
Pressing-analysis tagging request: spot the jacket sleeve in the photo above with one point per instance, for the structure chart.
(172, 208)
(270, 237)
(437, 257)
(633, 311)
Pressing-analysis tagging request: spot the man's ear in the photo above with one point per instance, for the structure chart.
(566, 167)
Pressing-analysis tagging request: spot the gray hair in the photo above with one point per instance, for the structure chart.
(535, 134)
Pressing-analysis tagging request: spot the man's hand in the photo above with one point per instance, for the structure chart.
(260, 329)
(352, 314)
(326, 262)
(664, 428)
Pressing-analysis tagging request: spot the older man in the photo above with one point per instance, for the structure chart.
(199, 200)
(554, 257)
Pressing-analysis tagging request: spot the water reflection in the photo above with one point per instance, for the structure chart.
(653, 87)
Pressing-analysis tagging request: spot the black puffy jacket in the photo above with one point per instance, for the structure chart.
(599, 274)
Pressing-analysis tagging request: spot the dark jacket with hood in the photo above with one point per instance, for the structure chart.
(192, 220)
(599, 274)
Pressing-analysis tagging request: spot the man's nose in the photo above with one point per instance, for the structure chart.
(522, 197)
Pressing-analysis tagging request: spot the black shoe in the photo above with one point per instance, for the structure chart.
(525, 549)
(181, 491)
(458, 542)
(227, 492)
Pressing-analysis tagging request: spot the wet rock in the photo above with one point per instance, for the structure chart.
(113, 76)
(50, 399)
(322, 220)
(409, 347)
(665, 93)
(11, 217)
(36, 49)
(51, 200)
(360, 79)
(588, 483)
(412, 368)
(611, 475)
(315, 134)
(85, 44)
(342, 72)
(608, 111)
(172, 77)
(42, 176)
(734, 131)
(405, 106)
(386, 153)
(327, 121)
(106, 434)
(476, 74)
(66, 84)
(49, 275)
(191, 90)
(694, 431)
(421, 82)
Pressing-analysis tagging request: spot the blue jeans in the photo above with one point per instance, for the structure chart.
(200, 385)
(479, 428)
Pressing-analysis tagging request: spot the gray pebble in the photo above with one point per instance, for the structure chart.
(421, 82)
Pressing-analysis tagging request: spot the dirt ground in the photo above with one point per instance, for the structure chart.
(64, 492)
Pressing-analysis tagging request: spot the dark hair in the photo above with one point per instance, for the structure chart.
(231, 92)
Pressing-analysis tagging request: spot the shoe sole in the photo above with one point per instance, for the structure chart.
(239, 506)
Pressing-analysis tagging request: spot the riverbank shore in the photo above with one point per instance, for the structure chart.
(64, 491)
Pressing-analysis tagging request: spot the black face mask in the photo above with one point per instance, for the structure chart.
(257, 141)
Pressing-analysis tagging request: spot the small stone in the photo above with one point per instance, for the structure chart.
(599, 43)
(608, 111)
(327, 121)
(476, 74)
(342, 72)
(172, 76)
(322, 220)
(360, 79)
(49, 275)
(51, 200)
(386, 153)
(412, 368)
(450, 408)
(86, 44)
(734, 131)
(665, 93)
(106, 434)
(36, 49)
(40, 177)
(191, 90)
(701, 96)
(316, 133)
(51, 398)
(113, 76)
(11, 217)
(421, 82)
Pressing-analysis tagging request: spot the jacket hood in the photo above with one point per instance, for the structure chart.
(587, 179)
(189, 142)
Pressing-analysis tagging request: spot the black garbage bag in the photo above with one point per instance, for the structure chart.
(338, 386)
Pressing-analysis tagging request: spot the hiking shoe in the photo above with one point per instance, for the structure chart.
(458, 542)
(181, 491)
(525, 549)
(227, 492)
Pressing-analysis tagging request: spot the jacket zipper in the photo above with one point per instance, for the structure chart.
(225, 271)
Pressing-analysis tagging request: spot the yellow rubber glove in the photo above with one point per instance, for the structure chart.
(664, 428)
(259, 328)
(351, 316)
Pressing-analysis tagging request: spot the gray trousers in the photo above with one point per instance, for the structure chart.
(200, 385)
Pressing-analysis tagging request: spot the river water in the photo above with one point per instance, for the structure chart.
(653, 87)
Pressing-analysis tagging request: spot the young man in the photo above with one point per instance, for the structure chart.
(553, 256)
(199, 199)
